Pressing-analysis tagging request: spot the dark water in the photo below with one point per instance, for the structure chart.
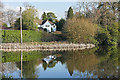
(92, 63)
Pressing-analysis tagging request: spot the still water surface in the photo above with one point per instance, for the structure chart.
(92, 63)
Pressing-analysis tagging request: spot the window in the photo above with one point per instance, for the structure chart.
(47, 25)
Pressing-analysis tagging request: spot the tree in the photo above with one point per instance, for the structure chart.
(87, 10)
(10, 17)
(80, 30)
(108, 13)
(70, 13)
(51, 16)
(1, 13)
(108, 34)
(29, 16)
(17, 24)
(60, 24)
(44, 16)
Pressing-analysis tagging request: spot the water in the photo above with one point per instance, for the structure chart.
(92, 63)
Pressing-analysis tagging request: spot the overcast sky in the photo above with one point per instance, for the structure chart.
(58, 8)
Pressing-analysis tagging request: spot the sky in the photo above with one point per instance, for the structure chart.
(58, 8)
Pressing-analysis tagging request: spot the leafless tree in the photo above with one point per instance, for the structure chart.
(1, 13)
(87, 9)
(10, 16)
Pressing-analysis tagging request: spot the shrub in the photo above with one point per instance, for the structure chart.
(80, 30)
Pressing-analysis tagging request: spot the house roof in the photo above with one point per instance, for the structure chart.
(48, 21)
(38, 21)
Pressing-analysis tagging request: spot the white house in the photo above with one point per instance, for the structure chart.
(47, 26)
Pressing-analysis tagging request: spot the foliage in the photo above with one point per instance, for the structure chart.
(60, 24)
(70, 13)
(51, 16)
(108, 53)
(44, 16)
(13, 36)
(28, 18)
(108, 35)
(119, 33)
(47, 37)
(80, 31)
(5, 25)
(17, 24)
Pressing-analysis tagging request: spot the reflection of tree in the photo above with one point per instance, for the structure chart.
(29, 69)
(45, 65)
(109, 61)
(30, 59)
(80, 60)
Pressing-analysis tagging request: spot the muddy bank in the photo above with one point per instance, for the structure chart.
(44, 47)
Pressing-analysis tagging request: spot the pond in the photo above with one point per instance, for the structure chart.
(89, 63)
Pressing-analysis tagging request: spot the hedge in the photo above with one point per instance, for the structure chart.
(13, 36)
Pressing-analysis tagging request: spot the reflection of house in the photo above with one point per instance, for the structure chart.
(47, 26)
(49, 59)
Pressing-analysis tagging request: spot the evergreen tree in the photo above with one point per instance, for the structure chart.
(44, 16)
(70, 13)
(60, 24)
(51, 17)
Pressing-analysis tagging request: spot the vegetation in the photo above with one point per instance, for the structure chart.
(5, 25)
(44, 16)
(80, 30)
(109, 24)
(28, 18)
(60, 24)
(92, 23)
(1, 12)
(10, 16)
(82, 27)
(108, 36)
(48, 37)
(49, 16)
(13, 36)
(70, 13)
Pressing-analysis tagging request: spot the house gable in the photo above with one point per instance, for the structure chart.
(48, 25)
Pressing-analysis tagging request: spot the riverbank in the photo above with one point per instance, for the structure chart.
(44, 46)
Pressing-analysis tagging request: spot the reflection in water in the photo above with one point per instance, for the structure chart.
(70, 64)
(9, 69)
(21, 64)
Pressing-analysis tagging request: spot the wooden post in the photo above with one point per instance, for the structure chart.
(21, 23)
(21, 35)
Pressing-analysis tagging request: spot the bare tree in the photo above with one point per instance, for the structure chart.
(87, 9)
(1, 13)
(10, 16)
